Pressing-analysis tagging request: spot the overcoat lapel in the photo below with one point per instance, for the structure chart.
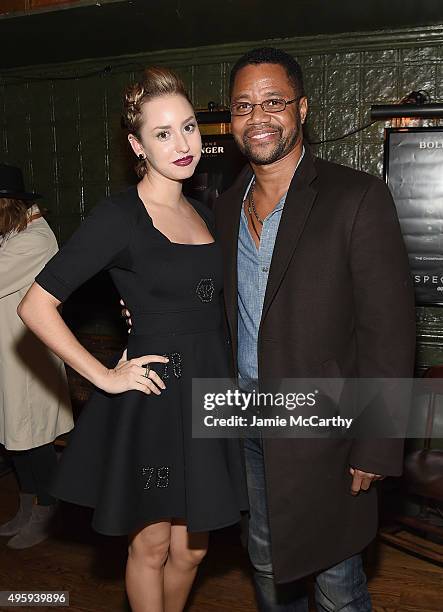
(298, 204)
(228, 223)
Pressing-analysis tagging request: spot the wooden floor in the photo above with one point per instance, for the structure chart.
(91, 568)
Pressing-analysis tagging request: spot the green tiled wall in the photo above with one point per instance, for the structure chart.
(65, 133)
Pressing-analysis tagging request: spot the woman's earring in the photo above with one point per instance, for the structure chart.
(141, 157)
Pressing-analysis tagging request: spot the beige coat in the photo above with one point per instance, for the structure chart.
(34, 398)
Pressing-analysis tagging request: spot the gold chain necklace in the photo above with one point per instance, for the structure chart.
(251, 205)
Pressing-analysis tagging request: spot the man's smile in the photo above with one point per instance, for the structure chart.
(262, 135)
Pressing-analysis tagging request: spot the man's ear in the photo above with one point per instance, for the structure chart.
(303, 108)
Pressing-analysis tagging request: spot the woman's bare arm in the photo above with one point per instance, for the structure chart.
(39, 311)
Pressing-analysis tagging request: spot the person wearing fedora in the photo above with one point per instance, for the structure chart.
(34, 402)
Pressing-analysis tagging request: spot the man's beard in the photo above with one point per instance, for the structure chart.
(284, 146)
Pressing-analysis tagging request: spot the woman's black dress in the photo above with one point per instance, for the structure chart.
(132, 456)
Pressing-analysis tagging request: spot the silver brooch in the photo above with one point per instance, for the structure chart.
(205, 289)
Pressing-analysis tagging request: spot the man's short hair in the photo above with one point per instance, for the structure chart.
(270, 55)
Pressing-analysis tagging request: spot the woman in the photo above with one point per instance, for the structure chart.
(34, 399)
(132, 456)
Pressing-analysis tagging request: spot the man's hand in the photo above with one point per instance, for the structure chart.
(362, 480)
(127, 316)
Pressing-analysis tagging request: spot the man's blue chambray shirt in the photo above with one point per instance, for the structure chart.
(252, 268)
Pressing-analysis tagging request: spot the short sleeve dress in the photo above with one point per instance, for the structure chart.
(132, 456)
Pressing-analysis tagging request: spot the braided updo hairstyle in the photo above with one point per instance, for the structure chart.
(157, 81)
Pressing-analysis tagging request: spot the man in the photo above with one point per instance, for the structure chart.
(316, 285)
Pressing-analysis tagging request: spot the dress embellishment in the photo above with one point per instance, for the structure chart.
(175, 361)
(205, 289)
(156, 477)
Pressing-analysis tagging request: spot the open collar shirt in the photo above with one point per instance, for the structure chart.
(252, 269)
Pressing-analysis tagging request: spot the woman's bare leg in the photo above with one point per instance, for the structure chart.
(147, 554)
(186, 552)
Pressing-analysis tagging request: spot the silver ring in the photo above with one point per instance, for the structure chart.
(147, 370)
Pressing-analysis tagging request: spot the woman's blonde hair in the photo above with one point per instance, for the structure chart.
(157, 81)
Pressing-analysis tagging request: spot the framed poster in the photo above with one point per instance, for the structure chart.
(220, 163)
(413, 170)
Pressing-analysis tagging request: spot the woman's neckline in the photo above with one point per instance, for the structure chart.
(199, 244)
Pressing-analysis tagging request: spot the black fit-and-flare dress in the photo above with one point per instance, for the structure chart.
(132, 456)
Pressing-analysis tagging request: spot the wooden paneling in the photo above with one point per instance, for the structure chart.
(18, 6)
(12, 6)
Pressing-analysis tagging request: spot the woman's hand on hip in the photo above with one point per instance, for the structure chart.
(134, 374)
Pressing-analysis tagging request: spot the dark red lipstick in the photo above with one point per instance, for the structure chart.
(184, 161)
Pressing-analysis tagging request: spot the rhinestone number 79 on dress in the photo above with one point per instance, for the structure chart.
(156, 477)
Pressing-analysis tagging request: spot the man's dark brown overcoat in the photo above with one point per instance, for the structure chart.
(339, 302)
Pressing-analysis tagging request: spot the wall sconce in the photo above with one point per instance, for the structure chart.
(411, 111)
